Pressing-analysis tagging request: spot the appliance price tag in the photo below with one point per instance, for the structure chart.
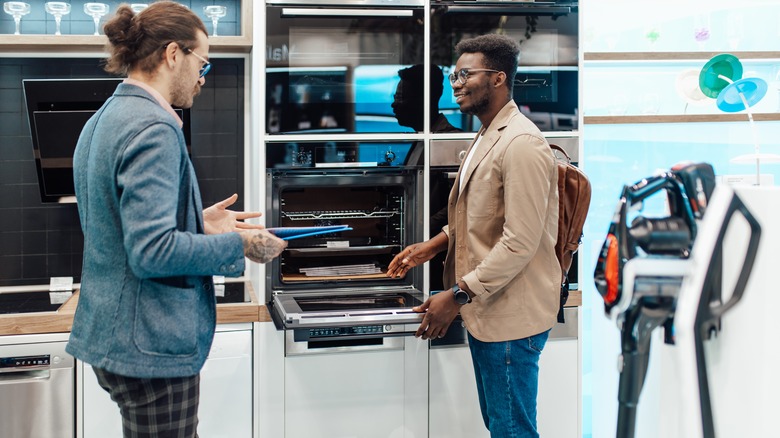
(337, 244)
(219, 290)
(61, 284)
(219, 279)
(59, 297)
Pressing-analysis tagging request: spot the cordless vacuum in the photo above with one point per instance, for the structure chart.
(641, 267)
(700, 307)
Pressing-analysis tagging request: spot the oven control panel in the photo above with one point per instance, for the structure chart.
(334, 332)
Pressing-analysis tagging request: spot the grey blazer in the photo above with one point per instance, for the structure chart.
(146, 305)
(502, 230)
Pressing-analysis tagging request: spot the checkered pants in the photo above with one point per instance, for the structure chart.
(159, 408)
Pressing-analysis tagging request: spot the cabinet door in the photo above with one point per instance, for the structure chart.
(225, 393)
(347, 395)
(226, 387)
(454, 406)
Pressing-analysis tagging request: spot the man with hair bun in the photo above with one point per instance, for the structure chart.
(502, 225)
(147, 311)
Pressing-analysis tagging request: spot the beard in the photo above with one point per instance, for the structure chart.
(182, 95)
(479, 104)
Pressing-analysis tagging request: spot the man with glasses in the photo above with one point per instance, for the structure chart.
(146, 314)
(500, 241)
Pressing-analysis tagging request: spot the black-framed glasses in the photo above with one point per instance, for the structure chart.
(462, 75)
(206, 65)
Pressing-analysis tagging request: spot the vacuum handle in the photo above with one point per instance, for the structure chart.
(750, 255)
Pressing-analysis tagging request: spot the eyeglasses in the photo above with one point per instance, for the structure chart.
(206, 66)
(463, 74)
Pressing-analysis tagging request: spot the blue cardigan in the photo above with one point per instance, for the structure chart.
(146, 306)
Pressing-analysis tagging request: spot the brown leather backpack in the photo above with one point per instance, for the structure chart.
(573, 203)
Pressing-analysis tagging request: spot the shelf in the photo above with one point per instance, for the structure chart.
(661, 56)
(679, 118)
(49, 44)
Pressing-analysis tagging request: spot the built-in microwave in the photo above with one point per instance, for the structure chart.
(332, 66)
(546, 83)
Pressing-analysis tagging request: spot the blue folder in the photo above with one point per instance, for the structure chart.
(290, 233)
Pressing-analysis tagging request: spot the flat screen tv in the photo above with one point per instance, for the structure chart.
(57, 110)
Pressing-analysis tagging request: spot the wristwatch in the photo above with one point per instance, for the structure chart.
(461, 296)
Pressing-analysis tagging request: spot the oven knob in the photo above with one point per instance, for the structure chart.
(303, 158)
(389, 156)
(461, 155)
(388, 328)
(56, 359)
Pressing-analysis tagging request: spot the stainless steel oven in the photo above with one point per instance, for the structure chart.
(546, 84)
(331, 291)
(332, 66)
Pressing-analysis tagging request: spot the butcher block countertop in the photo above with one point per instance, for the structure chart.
(61, 320)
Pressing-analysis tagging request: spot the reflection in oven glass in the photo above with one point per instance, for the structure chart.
(368, 301)
(546, 82)
(335, 71)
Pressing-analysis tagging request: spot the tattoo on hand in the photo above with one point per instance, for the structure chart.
(261, 246)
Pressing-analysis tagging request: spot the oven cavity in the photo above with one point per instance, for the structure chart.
(376, 215)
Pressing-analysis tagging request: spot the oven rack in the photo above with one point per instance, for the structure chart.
(339, 214)
(336, 251)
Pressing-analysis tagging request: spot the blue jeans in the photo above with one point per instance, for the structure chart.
(507, 381)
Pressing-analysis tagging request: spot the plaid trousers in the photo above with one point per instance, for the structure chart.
(154, 408)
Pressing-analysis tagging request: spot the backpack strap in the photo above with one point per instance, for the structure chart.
(557, 148)
(564, 298)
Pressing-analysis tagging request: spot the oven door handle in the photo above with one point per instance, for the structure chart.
(325, 12)
(531, 9)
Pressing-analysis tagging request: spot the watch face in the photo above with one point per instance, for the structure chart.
(461, 297)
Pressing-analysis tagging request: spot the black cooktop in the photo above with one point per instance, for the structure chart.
(43, 301)
(232, 293)
(27, 302)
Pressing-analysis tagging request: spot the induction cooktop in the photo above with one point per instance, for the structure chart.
(27, 302)
(237, 292)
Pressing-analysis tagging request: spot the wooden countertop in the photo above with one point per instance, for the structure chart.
(61, 320)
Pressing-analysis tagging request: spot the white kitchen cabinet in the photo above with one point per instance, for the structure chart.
(226, 398)
(454, 406)
(350, 392)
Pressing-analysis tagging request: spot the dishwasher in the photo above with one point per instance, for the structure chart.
(36, 387)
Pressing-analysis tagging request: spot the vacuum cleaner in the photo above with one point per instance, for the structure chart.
(700, 305)
(642, 266)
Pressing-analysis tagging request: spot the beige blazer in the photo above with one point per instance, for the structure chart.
(502, 229)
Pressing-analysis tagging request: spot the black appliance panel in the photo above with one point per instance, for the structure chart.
(335, 69)
(546, 82)
(57, 110)
(30, 302)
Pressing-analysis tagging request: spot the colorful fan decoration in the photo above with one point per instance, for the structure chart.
(721, 79)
